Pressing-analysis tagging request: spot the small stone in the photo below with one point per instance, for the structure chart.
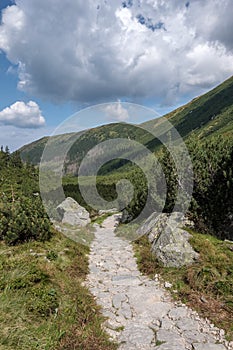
(167, 285)
(222, 333)
(204, 300)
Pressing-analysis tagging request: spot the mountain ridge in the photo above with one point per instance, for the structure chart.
(205, 116)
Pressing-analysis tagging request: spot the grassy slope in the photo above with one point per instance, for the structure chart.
(33, 151)
(43, 304)
(208, 115)
(205, 115)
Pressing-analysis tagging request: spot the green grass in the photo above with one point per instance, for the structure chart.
(127, 231)
(43, 304)
(100, 219)
(205, 286)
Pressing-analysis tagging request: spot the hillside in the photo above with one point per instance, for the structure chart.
(208, 115)
(206, 124)
(33, 151)
(41, 288)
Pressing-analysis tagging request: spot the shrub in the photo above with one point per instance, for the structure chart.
(23, 220)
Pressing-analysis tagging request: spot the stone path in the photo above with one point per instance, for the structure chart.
(141, 314)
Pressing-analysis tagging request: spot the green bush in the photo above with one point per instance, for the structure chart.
(23, 220)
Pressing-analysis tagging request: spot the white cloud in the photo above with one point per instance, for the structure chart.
(115, 111)
(91, 51)
(22, 115)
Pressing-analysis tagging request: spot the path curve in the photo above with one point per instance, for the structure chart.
(141, 314)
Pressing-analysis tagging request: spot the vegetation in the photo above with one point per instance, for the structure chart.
(212, 204)
(43, 303)
(205, 286)
(205, 116)
(206, 121)
(22, 216)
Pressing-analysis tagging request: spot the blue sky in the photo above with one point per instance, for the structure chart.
(57, 58)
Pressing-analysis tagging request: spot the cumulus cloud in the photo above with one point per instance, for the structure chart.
(100, 50)
(115, 111)
(22, 115)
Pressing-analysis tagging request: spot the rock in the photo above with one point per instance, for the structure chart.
(178, 313)
(147, 226)
(208, 346)
(203, 300)
(173, 249)
(126, 216)
(153, 226)
(138, 335)
(108, 211)
(172, 246)
(167, 285)
(155, 223)
(166, 335)
(70, 212)
(118, 299)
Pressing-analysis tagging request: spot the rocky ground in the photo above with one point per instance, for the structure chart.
(140, 311)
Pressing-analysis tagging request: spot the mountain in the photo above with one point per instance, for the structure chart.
(208, 115)
(206, 125)
(33, 151)
(204, 117)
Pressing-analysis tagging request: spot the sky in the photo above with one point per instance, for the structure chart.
(58, 57)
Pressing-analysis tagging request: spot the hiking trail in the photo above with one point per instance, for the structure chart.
(141, 314)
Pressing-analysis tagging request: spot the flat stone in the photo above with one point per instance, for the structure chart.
(209, 346)
(125, 311)
(166, 323)
(178, 313)
(118, 299)
(138, 334)
(125, 280)
(197, 337)
(169, 346)
(187, 324)
(169, 336)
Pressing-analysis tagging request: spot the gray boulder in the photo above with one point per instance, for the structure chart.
(148, 224)
(70, 212)
(170, 243)
(153, 226)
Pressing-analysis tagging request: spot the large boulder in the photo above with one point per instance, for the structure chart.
(170, 243)
(70, 212)
(153, 226)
